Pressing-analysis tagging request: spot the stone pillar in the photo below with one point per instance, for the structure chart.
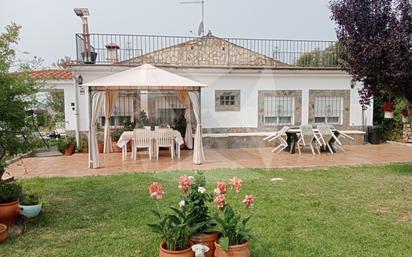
(407, 133)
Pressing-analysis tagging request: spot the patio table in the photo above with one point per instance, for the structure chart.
(128, 135)
(292, 139)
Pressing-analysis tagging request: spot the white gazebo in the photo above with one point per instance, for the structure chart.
(104, 91)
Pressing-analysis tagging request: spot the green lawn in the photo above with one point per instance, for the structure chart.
(348, 212)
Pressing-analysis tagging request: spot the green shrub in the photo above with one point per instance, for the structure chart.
(29, 199)
(9, 192)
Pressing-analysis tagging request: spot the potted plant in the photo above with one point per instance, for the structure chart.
(100, 146)
(84, 145)
(116, 134)
(179, 124)
(404, 114)
(388, 109)
(3, 232)
(9, 202)
(30, 205)
(234, 241)
(195, 198)
(66, 145)
(173, 228)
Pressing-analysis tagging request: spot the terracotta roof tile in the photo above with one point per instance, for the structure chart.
(51, 74)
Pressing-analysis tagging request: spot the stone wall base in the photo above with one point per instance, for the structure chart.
(407, 133)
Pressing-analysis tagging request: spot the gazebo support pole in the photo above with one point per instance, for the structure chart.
(90, 127)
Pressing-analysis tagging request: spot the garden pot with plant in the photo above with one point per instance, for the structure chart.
(404, 114)
(173, 227)
(116, 134)
(30, 205)
(84, 145)
(234, 241)
(9, 202)
(3, 233)
(195, 200)
(100, 146)
(388, 109)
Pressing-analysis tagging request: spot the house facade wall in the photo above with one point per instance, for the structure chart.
(250, 82)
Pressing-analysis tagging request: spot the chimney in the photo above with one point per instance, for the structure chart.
(112, 55)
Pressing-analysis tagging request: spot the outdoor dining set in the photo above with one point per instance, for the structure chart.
(322, 137)
(153, 140)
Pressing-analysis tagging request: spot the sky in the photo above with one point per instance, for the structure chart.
(48, 26)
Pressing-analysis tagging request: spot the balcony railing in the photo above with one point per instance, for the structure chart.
(208, 51)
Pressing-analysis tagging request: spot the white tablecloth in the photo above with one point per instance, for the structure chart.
(128, 135)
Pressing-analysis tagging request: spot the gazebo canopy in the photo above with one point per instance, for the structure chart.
(145, 77)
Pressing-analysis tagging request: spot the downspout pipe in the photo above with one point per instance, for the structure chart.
(76, 111)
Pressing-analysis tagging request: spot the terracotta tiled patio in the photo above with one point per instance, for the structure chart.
(76, 165)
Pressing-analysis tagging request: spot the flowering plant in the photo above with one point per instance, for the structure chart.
(388, 107)
(404, 112)
(232, 226)
(174, 228)
(195, 198)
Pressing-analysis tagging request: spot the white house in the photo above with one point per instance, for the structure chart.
(251, 91)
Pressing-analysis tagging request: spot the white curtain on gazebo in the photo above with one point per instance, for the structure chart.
(110, 97)
(183, 97)
(96, 105)
(198, 154)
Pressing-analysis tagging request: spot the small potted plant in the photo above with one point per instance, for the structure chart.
(195, 198)
(116, 134)
(404, 114)
(234, 241)
(30, 205)
(9, 202)
(84, 145)
(173, 228)
(388, 109)
(3, 233)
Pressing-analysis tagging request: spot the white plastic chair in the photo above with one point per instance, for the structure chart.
(142, 139)
(338, 143)
(165, 138)
(308, 138)
(325, 135)
(279, 137)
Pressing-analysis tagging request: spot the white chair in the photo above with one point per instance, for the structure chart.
(308, 138)
(165, 138)
(279, 137)
(325, 136)
(338, 142)
(142, 139)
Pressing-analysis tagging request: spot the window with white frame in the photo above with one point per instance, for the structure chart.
(328, 109)
(122, 113)
(278, 110)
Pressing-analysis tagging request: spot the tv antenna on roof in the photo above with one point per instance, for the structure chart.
(201, 29)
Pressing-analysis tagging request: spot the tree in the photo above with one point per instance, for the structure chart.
(16, 99)
(377, 38)
(320, 58)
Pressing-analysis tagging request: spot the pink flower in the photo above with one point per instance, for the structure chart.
(249, 200)
(222, 187)
(185, 183)
(156, 190)
(236, 184)
(220, 201)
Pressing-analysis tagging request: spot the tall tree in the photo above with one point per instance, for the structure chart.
(376, 36)
(16, 99)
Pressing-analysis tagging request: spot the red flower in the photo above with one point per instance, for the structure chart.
(236, 184)
(156, 190)
(185, 183)
(220, 201)
(222, 187)
(249, 200)
(404, 112)
(388, 107)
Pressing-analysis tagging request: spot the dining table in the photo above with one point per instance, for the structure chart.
(128, 135)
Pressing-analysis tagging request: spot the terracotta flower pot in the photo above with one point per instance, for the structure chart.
(9, 212)
(208, 239)
(233, 251)
(3, 233)
(116, 149)
(101, 148)
(183, 253)
(84, 150)
(69, 150)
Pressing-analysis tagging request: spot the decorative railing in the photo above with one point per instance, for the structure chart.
(208, 50)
